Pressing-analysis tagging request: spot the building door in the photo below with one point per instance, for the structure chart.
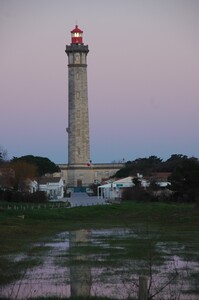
(79, 183)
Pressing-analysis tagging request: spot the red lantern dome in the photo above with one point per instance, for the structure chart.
(76, 36)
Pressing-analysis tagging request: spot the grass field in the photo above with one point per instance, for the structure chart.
(16, 233)
(173, 223)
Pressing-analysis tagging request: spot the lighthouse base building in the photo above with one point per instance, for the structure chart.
(81, 177)
(79, 172)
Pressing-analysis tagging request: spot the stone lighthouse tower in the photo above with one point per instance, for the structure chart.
(78, 119)
(79, 173)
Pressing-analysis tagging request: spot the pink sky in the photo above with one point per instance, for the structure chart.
(143, 77)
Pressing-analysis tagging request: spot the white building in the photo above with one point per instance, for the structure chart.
(32, 186)
(113, 190)
(53, 186)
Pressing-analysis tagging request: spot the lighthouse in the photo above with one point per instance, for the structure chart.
(79, 173)
(78, 117)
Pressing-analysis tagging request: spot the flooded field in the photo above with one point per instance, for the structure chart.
(107, 263)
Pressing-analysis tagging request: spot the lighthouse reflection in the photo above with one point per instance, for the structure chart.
(80, 272)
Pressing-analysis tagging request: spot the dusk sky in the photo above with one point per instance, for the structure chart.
(143, 77)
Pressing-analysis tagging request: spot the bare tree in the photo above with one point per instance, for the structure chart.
(3, 155)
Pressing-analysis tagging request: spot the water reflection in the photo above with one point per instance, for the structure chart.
(80, 272)
(104, 263)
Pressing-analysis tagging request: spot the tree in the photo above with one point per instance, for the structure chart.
(3, 155)
(7, 176)
(23, 172)
(185, 180)
(6, 173)
(145, 166)
(172, 163)
(43, 164)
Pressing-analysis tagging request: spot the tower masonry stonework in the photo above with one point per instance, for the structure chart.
(80, 172)
(78, 119)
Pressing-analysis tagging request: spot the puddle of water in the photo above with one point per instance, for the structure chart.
(94, 263)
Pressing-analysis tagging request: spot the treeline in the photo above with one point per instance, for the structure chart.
(43, 165)
(183, 178)
(148, 165)
(17, 196)
(16, 173)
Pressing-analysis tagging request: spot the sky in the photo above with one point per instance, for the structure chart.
(143, 77)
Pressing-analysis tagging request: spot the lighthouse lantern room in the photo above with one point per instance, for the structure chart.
(76, 36)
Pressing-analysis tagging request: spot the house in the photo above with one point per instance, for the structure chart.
(53, 186)
(113, 190)
(32, 186)
(161, 179)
